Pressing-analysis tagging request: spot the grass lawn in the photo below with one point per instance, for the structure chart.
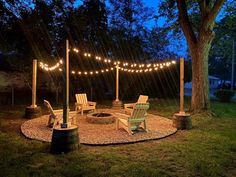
(209, 149)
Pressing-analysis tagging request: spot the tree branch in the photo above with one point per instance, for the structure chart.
(214, 11)
(202, 5)
(185, 22)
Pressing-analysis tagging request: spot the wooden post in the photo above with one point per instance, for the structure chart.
(117, 83)
(65, 138)
(181, 110)
(33, 110)
(34, 79)
(182, 120)
(66, 88)
(117, 104)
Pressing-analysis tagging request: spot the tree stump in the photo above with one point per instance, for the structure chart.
(117, 104)
(32, 112)
(182, 121)
(64, 140)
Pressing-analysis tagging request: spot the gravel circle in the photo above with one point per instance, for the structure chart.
(101, 134)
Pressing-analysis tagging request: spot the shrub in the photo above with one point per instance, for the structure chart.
(224, 95)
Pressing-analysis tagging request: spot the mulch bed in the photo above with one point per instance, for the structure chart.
(101, 134)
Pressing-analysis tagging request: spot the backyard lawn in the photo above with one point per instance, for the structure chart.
(209, 149)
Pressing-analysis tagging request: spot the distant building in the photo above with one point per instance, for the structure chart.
(213, 83)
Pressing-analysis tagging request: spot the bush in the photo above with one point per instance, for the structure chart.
(224, 95)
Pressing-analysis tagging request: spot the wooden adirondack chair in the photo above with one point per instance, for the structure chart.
(133, 121)
(82, 104)
(130, 106)
(55, 116)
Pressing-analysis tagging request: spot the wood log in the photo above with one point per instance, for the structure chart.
(64, 140)
(182, 121)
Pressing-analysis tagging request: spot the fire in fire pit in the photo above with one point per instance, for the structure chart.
(100, 118)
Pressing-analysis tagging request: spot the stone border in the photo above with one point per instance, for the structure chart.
(100, 120)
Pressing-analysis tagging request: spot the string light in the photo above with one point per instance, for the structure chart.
(87, 54)
(46, 67)
(146, 67)
(87, 73)
(125, 64)
(131, 70)
(76, 50)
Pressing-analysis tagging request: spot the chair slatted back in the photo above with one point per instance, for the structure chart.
(142, 99)
(139, 112)
(46, 103)
(81, 98)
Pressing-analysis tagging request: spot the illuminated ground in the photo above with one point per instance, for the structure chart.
(98, 134)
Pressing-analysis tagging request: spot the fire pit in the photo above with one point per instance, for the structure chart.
(100, 118)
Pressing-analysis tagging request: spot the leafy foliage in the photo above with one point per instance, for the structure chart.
(224, 95)
(220, 56)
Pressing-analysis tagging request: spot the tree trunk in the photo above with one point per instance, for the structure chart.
(199, 43)
(200, 83)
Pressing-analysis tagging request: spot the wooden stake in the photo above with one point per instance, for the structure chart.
(66, 88)
(34, 79)
(117, 83)
(181, 86)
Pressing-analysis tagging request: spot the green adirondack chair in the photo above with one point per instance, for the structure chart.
(132, 122)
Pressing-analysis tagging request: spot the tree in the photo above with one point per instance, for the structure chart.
(197, 20)
(127, 26)
(220, 57)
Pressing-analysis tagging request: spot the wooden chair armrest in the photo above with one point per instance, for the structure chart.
(78, 104)
(72, 113)
(58, 111)
(122, 115)
(129, 105)
(92, 103)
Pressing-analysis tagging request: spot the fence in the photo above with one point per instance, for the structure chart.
(22, 96)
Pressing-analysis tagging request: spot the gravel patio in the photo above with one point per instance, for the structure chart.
(102, 134)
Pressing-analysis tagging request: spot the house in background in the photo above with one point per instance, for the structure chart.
(213, 84)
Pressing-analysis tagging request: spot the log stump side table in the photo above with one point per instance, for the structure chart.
(182, 121)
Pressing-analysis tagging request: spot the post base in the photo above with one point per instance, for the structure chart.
(64, 140)
(32, 112)
(182, 121)
(117, 104)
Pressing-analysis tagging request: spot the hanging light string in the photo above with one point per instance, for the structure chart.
(92, 72)
(155, 67)
(127, 67)
(124, 64)
(101, 71)
(46, 67)
(150, 69)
